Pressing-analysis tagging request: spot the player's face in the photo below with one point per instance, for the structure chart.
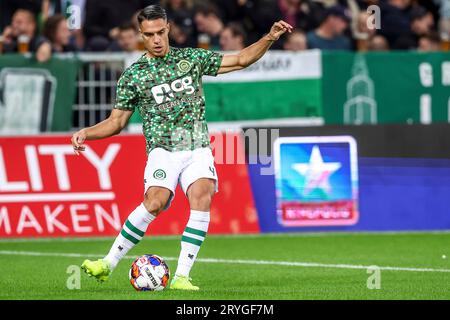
(156, 36)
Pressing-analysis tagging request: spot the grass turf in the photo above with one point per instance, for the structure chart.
(45, 277)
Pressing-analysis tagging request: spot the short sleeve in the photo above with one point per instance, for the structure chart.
(210, 61)
(126, 93)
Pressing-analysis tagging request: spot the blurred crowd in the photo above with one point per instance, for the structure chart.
(48, 26)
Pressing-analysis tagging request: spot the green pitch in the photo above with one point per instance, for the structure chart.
(289, 266)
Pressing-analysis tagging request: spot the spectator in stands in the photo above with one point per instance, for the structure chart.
(235, 10)
(295, 41)
(104, 17)
(330, 34)
(378, 43)
(430, 42)
(42, 10)
(422, 24)
(52, 7)
(97, 44)
(180, 17)
(422, 21)
(365, 3)
(180, 36)
(73, 10)
(255, 16)
(444, 23)
(181, 8)
(134, 19)
(354, 7)
(232, 37)
(405, 23)
(301, 14)
(362, 33)
(56, 38)
(23, 25)
(395, 20)
(209, 25)
(57, 32)
(9, 7)
(127, 40)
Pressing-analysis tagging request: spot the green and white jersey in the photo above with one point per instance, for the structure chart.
(168, 93)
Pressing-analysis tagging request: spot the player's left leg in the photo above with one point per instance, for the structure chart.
(199, 182)
(200, 194)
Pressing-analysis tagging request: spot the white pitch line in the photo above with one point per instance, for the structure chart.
(235, 236)
(234, 261)
(45, 197)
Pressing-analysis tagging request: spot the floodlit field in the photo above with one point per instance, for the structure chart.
(272, 266)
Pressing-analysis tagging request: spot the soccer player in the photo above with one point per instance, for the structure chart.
(165, 86)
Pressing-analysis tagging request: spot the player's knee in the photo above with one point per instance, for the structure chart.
(153, 205)
(201, 200)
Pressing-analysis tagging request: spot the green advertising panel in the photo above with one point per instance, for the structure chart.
(263, 100)
(393, 87)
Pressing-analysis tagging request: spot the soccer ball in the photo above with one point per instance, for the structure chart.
(149, 273)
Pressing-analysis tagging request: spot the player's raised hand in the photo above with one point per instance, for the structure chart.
(78, 139)
(278, 29)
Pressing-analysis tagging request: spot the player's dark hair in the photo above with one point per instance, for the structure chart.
(152, 12)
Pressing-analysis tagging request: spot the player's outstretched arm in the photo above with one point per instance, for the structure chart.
(107, 128)
(251, 54)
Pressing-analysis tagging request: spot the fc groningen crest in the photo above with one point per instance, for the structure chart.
(184, 66)
(159, 174)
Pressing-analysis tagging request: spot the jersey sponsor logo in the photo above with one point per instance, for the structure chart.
(213, 171)
(165, 92)
(173, 104)
(184, 66)
(159, 174)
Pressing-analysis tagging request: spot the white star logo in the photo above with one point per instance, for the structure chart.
(316, 172)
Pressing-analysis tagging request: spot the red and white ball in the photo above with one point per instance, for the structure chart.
(149, 273)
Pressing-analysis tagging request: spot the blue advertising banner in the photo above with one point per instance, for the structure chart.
(316, 181)
(401, 183)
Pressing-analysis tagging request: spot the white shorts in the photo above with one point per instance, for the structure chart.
(166, 169)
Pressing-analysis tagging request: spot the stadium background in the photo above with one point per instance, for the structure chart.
(395, 103)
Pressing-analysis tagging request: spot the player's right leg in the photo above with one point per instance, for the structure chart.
(161, 178)
(131, 234)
